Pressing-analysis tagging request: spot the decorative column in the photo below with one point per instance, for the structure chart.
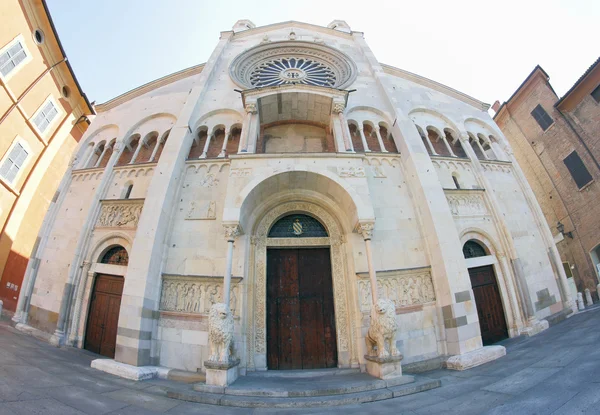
(429, 144)
(159, 142)
(205, 150)
(251, 110)
(231, 232)
(378, 134)
(382, 357)
(88, 159)
(338, 108)
(225, 139)
(221, 367)
(443, 137)
(363, 139)
(74, 334)
(137, 151)
(481, 148)
(106, 147)
(366, 230)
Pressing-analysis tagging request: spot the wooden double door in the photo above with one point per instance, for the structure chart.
(489, 304)
(300, 312)
(103, 317)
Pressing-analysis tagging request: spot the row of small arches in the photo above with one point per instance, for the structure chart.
(448, 144)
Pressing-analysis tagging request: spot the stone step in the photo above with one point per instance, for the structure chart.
(303, 387)
(310, 373)
(188, 394)
(185, 377)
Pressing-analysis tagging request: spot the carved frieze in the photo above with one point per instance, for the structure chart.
(470, 204)
(120, 213)
(403, 287)
(351, 171)
(202, 210)
(195, 295)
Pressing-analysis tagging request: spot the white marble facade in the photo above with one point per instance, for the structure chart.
(302, 144)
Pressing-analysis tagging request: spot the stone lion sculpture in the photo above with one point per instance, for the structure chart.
(382, 331)
(220, 333)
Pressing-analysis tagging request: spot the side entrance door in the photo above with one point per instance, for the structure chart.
(300, 314)
(103, 318)
(489, 304)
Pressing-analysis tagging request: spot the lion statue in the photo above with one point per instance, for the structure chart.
(220, 333)
(382, 331)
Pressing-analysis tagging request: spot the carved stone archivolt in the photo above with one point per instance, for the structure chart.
(403, 287)
(120, 213)
(257, 317)
(469, 204)
(196, 294)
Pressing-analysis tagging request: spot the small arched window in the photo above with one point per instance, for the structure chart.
(472, 249)
(117, 255)
(128, 191)
(297, 226)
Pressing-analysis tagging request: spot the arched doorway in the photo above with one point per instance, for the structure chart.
(487, 296)
(103, 317)
(301, 327)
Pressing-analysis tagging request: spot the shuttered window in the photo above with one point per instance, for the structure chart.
(578, 171)
(11, 58)
(13, 163)
(542, 117)
(43, 119)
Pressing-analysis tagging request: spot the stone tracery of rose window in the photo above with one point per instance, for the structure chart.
(292, 70)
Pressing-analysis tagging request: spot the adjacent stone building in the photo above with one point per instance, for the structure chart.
(557, 143)
(43, 115)
(298, 170)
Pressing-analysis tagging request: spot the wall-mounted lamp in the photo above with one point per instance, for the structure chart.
(561, 228)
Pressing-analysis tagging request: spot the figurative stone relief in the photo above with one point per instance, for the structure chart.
(382, 330)
(195, 295)
(351, 171)
(466, 205)
(401, 287)
(202, 210)
(209, 181)
(122, 214)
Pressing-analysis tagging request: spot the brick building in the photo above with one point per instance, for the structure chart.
(557, 143)
(43, 115)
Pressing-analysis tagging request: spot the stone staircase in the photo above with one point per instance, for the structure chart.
(302, 389)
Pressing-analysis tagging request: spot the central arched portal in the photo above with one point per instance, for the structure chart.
(301, 330)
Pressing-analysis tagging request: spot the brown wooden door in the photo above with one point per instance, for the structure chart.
(300, 313)
(489, 304)
(103, 318)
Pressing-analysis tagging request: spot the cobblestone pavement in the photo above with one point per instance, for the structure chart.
(555, 372)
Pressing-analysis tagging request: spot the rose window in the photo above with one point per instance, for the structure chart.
(283, 71)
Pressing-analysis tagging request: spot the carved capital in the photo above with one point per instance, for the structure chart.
(118, 146)
(464, 137)
(338, 107)
(365, 229)
(251, 108)
(231, 231)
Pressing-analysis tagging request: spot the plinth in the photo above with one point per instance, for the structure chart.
(384, 367)
(222, 373)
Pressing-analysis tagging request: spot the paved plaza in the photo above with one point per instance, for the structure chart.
(555, 372)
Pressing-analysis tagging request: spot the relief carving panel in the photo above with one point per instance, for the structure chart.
(467, 204)
(404, 288)
(195, 295)
(120, 214)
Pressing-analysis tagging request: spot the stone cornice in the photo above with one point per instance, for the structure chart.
(390, 70)
(395, 272)
(293, 24)
(134, 93)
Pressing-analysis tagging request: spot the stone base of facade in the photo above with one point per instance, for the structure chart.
(32, 331)
(384, 367)
(475, 358)
(535, 327)
(128, 371)
(222, 373)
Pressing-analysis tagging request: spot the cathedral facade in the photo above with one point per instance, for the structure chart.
(288, 176)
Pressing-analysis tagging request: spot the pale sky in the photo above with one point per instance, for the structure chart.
(484, 49)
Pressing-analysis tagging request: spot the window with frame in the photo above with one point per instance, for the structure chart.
(43, 119)
(542, 117)
(578, 171)
(596, 94)
(14, 162)
(12, 58)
